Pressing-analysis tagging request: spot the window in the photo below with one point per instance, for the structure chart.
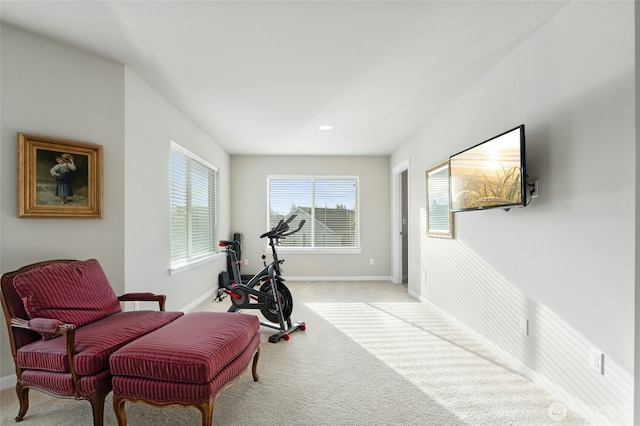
(329, 206)
(193, 207)
(439, 217)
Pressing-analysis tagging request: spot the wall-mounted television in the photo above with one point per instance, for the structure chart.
(490, 174)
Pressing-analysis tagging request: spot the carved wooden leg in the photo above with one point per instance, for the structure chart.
(118, 407)
(254, 367)
(23, 398)
(97, 405)
(206, 409)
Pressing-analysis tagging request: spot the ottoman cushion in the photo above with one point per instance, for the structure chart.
(95, 342)
(192, 349)
(163, 392)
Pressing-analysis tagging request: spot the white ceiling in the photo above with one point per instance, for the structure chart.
(260, 77)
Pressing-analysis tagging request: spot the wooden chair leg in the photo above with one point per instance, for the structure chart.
(254, 367)
(97, 406)
(118, 408)
(23, 398)
(206, 410)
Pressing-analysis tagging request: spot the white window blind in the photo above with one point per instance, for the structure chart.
(438, 200)
(329, 206)
(193, 207)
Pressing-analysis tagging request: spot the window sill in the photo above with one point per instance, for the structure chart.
(192, 264)
(324, 250)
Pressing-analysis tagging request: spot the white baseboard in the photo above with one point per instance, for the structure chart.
(8, 382)
(415, 295)
(198, 301)
(540, 380)
(338, 278)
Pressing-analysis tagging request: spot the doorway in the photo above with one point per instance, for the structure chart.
(405, 227)
(400, 227)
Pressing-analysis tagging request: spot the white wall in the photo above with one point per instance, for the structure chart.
(566, 262)
(151, 123)
(249, 207)
(54, 90)
(637, 233)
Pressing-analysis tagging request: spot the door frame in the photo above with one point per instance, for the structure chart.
(396, 222)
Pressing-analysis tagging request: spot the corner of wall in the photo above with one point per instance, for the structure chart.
(636, 414)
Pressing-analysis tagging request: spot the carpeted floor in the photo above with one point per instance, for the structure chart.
(371, 355)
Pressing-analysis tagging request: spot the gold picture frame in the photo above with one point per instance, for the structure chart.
(440, 220)
(59, 178)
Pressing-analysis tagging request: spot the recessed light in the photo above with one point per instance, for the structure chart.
(325, 127)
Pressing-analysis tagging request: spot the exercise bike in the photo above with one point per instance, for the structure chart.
(273, 298)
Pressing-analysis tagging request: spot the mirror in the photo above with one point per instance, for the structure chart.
(439, 216)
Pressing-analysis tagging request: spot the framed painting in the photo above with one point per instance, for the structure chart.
(59, 178)
(439, 217)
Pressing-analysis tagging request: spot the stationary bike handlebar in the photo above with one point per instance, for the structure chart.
(280, 230)
(300, 225)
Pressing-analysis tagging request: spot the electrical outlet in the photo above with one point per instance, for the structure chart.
(136, 306)
(534, 189)
(246, 262)
(371, 262)
(524, 326)
(596, 360)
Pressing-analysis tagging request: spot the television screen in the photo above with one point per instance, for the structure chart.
(490, 174)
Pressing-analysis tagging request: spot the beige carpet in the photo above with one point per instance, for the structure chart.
(371, 355)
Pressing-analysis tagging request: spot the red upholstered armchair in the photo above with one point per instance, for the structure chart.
(64, 321)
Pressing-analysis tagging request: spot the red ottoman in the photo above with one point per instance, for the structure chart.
(187, 362)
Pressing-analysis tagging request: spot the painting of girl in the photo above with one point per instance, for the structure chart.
(62, 172)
